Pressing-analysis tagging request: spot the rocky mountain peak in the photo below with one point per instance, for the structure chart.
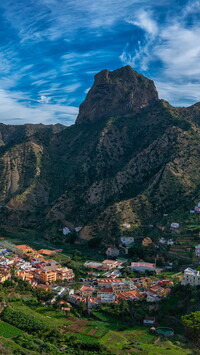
(116, 93)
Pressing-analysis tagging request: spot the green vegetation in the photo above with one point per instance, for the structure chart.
(22, 320)
(9, 331)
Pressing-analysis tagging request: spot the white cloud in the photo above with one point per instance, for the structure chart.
(145, 21)
(174, 45)
(44, 99)
(15, 112)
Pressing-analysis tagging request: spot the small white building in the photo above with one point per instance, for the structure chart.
(112, 252)
(77, 229)
(191, 277)
(127, 240)
(126, 225)
(175, 225)
(197, 250)
(66, 231)
(166, 241)
(149, 321)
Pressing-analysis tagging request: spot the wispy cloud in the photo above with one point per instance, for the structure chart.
(173, 47)
(51, 49)
(12, 110)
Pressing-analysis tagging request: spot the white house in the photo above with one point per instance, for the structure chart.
(197, 250)
(191, 277)
(66, 231)
(77, 229)
(112, 252)
(149, 321)
(166, 241)
(107, 297)
(127, 240)
(126, 225)
(175, 225)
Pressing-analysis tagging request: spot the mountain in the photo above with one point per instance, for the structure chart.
(128, 158)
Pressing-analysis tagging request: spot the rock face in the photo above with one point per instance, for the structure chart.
(116, 93)
(125, 161)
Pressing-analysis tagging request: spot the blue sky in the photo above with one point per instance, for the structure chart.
(50, 51)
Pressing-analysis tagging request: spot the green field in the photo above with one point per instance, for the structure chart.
(52, 318)
(8, 330)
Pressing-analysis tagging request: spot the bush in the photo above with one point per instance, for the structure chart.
(23, 321)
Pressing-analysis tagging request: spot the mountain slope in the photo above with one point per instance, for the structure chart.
(130, 157)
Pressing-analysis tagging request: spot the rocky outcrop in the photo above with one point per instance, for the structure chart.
(130, 158)
(117, 93)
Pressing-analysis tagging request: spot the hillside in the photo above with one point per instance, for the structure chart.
(129, 158)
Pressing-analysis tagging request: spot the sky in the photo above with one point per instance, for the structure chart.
(50, 51)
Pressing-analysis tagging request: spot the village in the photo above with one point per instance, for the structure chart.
(89, 293)
(104, 282)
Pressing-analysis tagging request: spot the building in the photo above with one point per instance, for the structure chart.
(142, 266)
(86, 291)
(149, 321)
(48, 276)
(166, 241)
(126, 225)
(175, 225)
(112, 252)
(127, 240)
(106, 297)
(93, 264)
(197, 250)
(4, 275)
(77, 229)
(65, 274)
(146, 241)
(66, 231)
(191, 277)
(25, 249)
(109, 264)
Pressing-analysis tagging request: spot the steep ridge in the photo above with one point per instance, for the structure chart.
(116, 93)
(129, 160)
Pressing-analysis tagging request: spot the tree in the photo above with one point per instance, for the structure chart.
(192, 325)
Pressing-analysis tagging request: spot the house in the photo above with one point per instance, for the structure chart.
(197, 250)
(175, 225)
(46, 252)
(127, 240)
(149, 321)
(191, 277)
(146, 241)
(75, 299)
(25, 249)
(86, 291)
(66, 231)
(77, 229)
(142, 266)
(166, 241)
(93, 264)
(109, 264)
(126, 225)
(65, 274)
(197, 209)
(2, 251)
(4, 275)
(106, 297)
(112, 252)
(48, 277)
(25, 275)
